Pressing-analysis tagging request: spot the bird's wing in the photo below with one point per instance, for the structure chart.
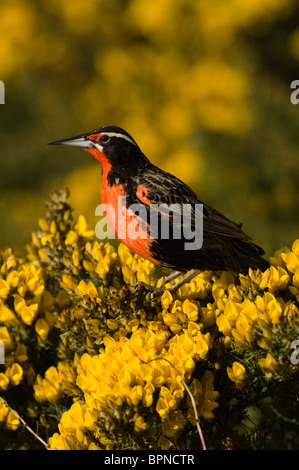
(158, 187)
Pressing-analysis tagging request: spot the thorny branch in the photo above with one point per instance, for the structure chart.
(25, 424)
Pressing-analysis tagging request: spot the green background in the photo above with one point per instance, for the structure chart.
(203, 87)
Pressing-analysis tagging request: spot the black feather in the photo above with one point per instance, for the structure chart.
(225, 245)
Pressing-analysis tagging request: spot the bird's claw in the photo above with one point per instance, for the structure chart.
(155, 291)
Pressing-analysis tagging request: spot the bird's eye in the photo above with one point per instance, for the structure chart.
(104, 139)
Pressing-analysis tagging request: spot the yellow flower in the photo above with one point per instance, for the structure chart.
(274, 278)
(234, 293)
(140, 425)
(165, 403)
(231, 311)
(44, 225)
(218, 293)
(128, 275)
(112, 324)
(169, 318)
(175, 422)
(35, 242)
(201, 344)
(243, 327)
(207, 400)
(76, 261)
(12, 421)
(148, 390)
(3, 411)
(268, 364)
(273, 307)
(125, 255)
(81, 228)
(88, 289)
(6, 338)
(264, 341)
(46, 239)
(145, 270)
(42, 328)
(34, 281)
(13, 278)
(295, 247)
(224, 325)
(73, 419)
(4, 289)
(53, 227)
(68, 282)
(71, 238)
(103, 267)
(93, 446)
(296, 278)
(58, 442)
(276, 259)
(21, 353)
(67, 376)
(191, 310)
(4, 381)
(166, 299)
(245, 281)
(26, 312)
(294, 289)
(47, 388)
(89, 420)
(205, 397)
(15, 374)
(237, 374)
(291, 260)
(135, 394)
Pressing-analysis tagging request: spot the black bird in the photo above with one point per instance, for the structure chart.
(130, 179)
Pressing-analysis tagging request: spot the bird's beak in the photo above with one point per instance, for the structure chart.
(76, 141)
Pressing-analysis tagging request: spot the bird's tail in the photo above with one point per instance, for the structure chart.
(250, 256)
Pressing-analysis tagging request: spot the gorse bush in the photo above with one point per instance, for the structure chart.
(91, 362)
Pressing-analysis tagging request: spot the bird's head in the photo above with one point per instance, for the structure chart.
(108, 144)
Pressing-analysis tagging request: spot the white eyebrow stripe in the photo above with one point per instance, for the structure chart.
(118, 134)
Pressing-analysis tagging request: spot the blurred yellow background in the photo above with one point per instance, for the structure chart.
(202, 86)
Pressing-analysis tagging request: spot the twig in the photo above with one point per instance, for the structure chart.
(25, 424)
(199, 430)
(284, 418)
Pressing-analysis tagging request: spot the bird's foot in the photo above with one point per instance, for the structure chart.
(155, 291)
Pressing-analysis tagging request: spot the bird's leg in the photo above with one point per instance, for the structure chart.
(168, 278)
(172, 276)
(181, 282)
(156, 291)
